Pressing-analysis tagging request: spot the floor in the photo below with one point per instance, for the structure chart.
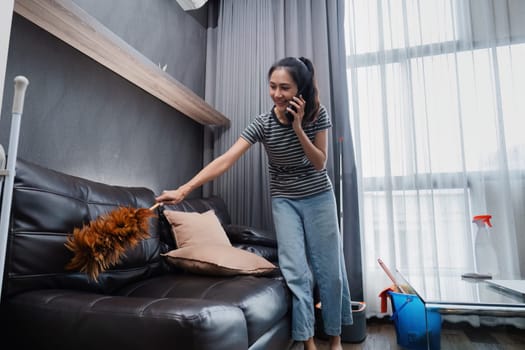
(381, 335)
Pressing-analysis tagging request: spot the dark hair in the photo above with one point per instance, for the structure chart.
(302, 72)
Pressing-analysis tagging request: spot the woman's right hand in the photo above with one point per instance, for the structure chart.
(172, 196)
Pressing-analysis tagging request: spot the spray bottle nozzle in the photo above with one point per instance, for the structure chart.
(485, 219)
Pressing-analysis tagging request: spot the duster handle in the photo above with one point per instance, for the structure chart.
(154, 206)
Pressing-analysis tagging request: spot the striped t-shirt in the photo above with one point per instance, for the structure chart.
(291, 173)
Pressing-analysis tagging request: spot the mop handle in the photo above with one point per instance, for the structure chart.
(21, 83)
(390, 275)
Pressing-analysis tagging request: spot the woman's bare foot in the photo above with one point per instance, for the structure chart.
(335, 343)
(310, 344)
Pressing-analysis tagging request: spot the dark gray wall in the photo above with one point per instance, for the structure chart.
(82, 119)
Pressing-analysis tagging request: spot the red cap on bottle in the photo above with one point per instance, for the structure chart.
(484, 218)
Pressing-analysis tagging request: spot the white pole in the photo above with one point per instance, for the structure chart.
(21, 83)
(6, 17)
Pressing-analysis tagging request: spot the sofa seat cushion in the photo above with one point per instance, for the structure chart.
(66, 319)
(264, 301)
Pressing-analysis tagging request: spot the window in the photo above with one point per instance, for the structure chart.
(436, 117)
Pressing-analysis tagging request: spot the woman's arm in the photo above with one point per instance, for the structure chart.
(316, 151)
(211, 171)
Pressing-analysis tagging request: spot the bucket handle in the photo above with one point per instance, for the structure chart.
(361, 304)
(395, 314)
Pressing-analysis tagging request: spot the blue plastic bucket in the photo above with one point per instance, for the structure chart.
(408, 314)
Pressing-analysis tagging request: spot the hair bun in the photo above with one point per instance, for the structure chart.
(306, 62)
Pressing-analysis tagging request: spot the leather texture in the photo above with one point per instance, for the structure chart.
(142, 302)
(47, 206)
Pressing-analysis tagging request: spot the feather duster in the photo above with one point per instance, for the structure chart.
(102, 242)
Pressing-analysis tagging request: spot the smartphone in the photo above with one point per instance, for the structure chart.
(289, 115)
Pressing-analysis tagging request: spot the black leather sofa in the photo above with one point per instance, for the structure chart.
(142, 302)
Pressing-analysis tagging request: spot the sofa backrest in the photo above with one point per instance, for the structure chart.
(47, 206)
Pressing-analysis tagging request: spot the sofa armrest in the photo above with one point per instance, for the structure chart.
(257, 241)
(243, 234)
(269, 253)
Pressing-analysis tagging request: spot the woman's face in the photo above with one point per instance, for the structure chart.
(282, 88)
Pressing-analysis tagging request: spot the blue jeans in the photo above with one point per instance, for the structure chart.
(310, 249)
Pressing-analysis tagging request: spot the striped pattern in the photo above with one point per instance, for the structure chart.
(291, 173)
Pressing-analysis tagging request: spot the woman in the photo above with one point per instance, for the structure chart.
(294, 134)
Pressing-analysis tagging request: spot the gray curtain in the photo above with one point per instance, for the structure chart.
(245, 37)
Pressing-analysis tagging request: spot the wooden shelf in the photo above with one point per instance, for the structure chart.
(71, 24)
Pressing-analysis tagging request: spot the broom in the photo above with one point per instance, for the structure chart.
(102, 242)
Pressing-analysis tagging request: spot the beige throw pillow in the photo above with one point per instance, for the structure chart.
(191, 228)
(204, 247)
(219, 260)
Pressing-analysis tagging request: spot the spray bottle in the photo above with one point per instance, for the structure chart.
(486, 259)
